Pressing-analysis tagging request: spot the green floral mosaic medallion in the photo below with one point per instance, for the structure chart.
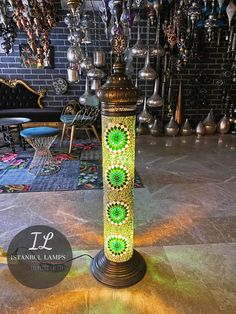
(117, 138)
(117, 245)
(117, 212)
(117, 177)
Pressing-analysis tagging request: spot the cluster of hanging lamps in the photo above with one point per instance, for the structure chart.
(7, 26)
(74, 52)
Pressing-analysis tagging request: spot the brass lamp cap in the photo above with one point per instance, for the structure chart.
(118, 95)
(73, 5)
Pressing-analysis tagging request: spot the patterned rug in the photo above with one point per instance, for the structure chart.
(80, 170)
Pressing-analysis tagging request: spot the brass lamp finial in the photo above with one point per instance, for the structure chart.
(73, 5)
(118, 95)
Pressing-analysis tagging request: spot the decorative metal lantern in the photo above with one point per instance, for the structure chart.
(7, 26)
(87, 93)
(118, 265)
(99, 58)
(186, 128)
(200, 129)
(74, 54)
(171, 128)
(147, 72)
(223, 125)
(209, 123)
(157, 128)
(95, 73)
(73, 5)
(73, 74)
(145, 117)
(155, 101)
(95, 84)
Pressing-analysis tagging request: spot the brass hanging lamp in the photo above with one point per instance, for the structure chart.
(74, 5)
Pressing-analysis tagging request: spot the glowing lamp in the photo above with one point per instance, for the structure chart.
(118, 264)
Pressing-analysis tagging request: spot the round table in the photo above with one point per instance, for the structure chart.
(9, 124)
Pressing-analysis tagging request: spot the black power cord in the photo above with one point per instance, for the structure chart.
(51, 264)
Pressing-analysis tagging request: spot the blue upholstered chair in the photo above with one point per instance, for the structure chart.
(77, 116)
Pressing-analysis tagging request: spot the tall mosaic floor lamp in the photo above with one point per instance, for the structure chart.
(118, 264)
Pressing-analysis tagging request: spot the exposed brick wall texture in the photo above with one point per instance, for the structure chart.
(211, 66)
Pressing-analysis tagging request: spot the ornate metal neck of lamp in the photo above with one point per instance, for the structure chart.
(118, 264)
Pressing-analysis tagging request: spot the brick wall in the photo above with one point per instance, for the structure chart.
(42, 78)
(210, 66)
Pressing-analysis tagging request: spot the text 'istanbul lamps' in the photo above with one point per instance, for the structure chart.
(118, 264)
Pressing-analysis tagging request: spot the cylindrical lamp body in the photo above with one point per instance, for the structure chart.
(118, 146)
(118, 264)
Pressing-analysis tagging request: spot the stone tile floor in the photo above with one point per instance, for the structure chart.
(185, 229)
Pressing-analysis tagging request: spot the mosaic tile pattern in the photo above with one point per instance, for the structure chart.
(118, 174)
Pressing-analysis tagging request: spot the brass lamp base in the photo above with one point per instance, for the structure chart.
(118, 275)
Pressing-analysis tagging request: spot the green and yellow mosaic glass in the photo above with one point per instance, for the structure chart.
(117, 245)
(117, 176)
(117, 138)
(118, 134)
(117, 213)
